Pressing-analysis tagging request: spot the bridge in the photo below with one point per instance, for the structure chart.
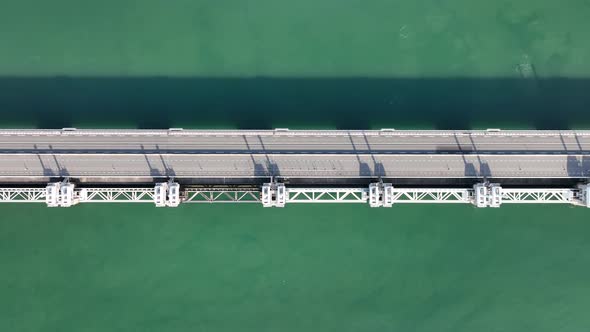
(277, 167)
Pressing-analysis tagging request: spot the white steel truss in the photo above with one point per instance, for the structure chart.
(566, 196)
(22, 195)
(326, 195)
(431, 195)
(221, 196)
(115, 195)
(576, 196)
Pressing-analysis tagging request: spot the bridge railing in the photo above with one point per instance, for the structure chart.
(284, 132)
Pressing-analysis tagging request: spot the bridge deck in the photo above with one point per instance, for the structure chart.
(313, 154)
(295, 165)
(326, 142)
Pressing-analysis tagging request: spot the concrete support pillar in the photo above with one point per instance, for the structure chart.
(60, 194)
(495, 195)
(160, 193)
(281, 195)
(266, 195)
(52, 194)
(167, 194)
(274, 195)
(387, 195)
(487, 195)
(584, 195)
(380, 195)
(374, 195)
(480, 195)
(66, 195)
(173, 194)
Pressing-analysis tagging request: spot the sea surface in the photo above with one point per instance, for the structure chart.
(299, 64)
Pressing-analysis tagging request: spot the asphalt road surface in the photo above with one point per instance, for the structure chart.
(313, 154)
(261, 142)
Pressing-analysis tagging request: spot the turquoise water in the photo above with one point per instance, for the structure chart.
(294, 39)
(279, 63)
(321, 267)
(321, 64)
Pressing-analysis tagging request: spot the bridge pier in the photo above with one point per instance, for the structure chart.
(487, 195)
(52, 194)
(274, 194)
(167, 194)
(584, 195)
(380, 194)
(60, 194)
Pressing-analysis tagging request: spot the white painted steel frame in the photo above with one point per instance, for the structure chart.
(221, 196)
(535, 196)
(431, 195)
(23, 195)
(115, 195)
(296, 195)
(327, 195)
